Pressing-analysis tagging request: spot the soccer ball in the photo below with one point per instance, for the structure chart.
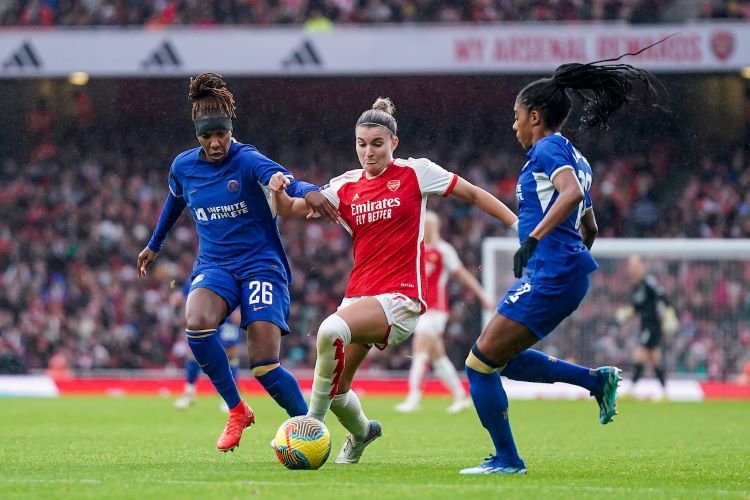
(302, 443)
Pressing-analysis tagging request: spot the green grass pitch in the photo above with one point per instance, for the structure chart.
(143, 448)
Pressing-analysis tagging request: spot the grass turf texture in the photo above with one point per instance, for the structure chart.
(143, 447)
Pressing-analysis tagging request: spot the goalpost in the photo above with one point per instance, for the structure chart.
(706, 280)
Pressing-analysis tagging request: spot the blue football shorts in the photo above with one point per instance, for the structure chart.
(260, 298)
(229, 333)
(541, 306)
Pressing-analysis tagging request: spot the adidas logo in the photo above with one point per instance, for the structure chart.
(23, 58)
(305, 55)
(165, 56)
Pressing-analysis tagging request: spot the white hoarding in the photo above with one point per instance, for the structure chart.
(467, 49)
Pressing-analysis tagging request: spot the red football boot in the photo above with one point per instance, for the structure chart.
(240, 416)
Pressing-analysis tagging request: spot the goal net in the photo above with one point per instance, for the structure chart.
(706, 281)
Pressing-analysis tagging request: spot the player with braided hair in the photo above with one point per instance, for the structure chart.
(241, 261)
(556, 228)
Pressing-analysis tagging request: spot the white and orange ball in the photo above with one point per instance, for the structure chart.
(302, 443)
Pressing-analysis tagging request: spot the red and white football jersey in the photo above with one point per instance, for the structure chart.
(385, 217)
(441, 260)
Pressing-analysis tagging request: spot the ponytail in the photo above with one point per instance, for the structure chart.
(603, 88)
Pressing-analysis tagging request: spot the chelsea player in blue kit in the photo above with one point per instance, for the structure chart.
(241, 260)
(557, 227)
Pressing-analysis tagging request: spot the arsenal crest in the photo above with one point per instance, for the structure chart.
(722, 44)
(393, 184)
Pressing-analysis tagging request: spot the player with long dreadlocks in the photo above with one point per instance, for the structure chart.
(241, 262)
(556, 229)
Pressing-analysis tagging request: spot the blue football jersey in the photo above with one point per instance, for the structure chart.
(236, 227)
(561, 255)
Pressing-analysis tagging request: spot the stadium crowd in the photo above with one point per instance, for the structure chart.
(724, 9)
(319, 14)
(79, 202)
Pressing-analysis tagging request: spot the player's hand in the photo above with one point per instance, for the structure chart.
(145, 258)
(669, 323)
(622, 314)
(487, 304)
(319, 204)
(278, 182)
(523, 255)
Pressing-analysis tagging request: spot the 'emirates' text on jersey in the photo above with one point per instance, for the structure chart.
(561, 255)
(441, 260)
(385, 216)
(236, 227)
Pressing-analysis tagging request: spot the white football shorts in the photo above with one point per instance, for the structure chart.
(402, 313)
(432, 323)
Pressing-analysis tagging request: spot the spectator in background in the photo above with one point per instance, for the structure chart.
(40, 119)
(160, 13)
(59, 367)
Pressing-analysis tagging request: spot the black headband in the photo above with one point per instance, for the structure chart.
(205, 125)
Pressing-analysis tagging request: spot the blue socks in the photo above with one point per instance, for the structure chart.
(281, 385)
(535, 366)
(234, 366)
(210, 355)
(192, 370)
(491, 404)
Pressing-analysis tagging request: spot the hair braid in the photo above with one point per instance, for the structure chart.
(603, 88)
(210, 96)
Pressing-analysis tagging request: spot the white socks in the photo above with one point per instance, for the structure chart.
(333, 336)
(446, 372)
(416, 376)
(348, 410)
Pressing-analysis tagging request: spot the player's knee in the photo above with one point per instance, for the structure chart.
(201, 320)
(332, 329)
(264, 367)
(479, 362)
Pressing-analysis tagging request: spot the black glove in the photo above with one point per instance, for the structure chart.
(523, 254)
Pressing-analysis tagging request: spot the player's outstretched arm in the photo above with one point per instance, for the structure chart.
(470, 282)
(320, 206)
(589, 229)
(315, 203)
(286, 206)
(170, 212)
(483, 200)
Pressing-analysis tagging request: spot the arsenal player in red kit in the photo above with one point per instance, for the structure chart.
(382, 206)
